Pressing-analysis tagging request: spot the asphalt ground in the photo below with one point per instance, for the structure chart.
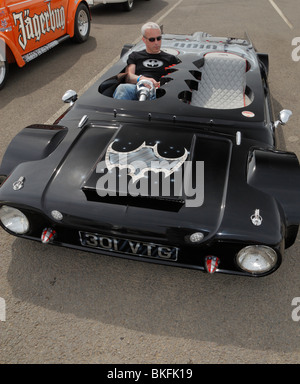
(66, 306)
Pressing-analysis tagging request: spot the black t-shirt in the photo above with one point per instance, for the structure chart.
(151, 64)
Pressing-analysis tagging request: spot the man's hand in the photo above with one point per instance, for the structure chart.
(153, 81)
(132, 77)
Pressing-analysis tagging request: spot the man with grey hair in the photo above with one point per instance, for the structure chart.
(148, 64)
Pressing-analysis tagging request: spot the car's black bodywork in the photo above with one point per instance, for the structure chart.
(245, 177)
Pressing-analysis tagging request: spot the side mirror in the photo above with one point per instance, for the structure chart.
(70, 97)
(283, 117)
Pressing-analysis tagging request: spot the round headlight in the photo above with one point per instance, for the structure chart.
(256, 259)
(14, 220)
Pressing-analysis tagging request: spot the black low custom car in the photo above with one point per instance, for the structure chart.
(193, 178)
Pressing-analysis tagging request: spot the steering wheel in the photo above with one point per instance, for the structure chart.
(144, 92)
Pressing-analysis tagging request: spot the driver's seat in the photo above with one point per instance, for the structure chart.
(107, 88)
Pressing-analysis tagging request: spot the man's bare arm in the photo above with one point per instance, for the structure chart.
(132, 77)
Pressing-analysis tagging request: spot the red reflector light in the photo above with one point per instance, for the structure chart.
(211, 263)
(48, 235)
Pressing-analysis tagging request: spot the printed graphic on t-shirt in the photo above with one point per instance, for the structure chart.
(152, 63)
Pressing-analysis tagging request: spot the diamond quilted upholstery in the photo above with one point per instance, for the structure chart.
(223, 82)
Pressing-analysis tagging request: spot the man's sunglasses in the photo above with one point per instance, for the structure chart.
(152, 39)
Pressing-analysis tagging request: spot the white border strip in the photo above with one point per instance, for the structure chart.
(280, 13)
(169, 11)
(94, 79)
(2, 309)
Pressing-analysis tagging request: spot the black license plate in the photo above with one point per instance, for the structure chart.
(129, 247)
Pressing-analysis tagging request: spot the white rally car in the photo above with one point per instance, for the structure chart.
(127, 4)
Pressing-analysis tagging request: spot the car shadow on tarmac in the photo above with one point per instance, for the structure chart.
(252, 313)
